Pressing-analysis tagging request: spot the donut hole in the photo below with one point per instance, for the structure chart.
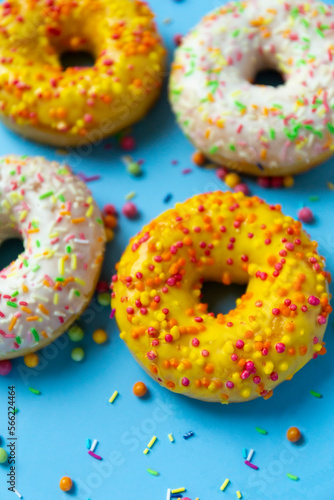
(269, 77)
(221, 299)
(10, 250)
(77, 59)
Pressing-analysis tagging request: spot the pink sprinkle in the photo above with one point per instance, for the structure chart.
(185, 381)
(205, 353)
(321, 319)
(251, 465)
(314, 301)
(280, 347)
(151, 355)
(130, 210)
(195, 342)
(92, 454)
(239, 344)
(306, 215)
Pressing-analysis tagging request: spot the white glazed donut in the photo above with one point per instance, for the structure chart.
(52, 281)
(256, 129)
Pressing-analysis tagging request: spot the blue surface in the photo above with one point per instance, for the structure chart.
(52, 428)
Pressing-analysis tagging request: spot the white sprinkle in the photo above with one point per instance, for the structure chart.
(94, 445)
(18, 494)
(250, 455)
(83, 242)
(168, 494)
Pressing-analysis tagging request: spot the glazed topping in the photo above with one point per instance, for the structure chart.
(34, 88)
(63, 235)
(278, 324)
(226, 116)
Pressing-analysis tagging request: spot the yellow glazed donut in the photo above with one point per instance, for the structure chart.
(256, 129)
(52, 281)
(69, 107)
(277, 326)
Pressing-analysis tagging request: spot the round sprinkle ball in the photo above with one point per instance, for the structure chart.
(232, 180)
(103, 299)
(221, 173)
(31, 360)
(3, 456)
(110, 209)
(109, 235)
(130, 210)
(100, 336)
(198, 158)
(75, 333)
(5, 367)
(139, 389)
(128, 143)
(288, 181)
(65, 484)
(305, 215)
(77, 354)
(293, 434)
(242, 188)
(110, 221)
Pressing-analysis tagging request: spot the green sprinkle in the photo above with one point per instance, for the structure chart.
(130, 195)
(99, 221)
(34, 391)
(34, 225)
(12, 172)
(307, 40)
(153, 472)
(11, 304)
(213, 150)
(23, 178)
(36, 268)
(330, 128)
(46, 195)
(306, 23)
(18, 340)
(294, 12)
(316, 394)
(15, 293)
(61, 198)
(261, 431)
(77, 293)
(60, 279)
(25, 263)
(68, 249)
(272, 134)
(318, 30)
(314, 198)
(38, 244)
(232, 147)
(277, 106)
(291, 476)
(35, 334)
(213, 86)
(235, 33)
(63, 171)
(314, 131)
(240, 105)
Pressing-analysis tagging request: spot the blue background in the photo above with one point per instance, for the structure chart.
(52, 428)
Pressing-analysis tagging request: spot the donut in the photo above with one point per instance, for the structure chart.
(278, 323)
(256, 129)
(67, 107)
(47, 287)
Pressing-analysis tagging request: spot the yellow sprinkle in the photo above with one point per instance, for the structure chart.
(74, 261)
(113, 397)
(61, 265)
(225, 483)
(151, 443)
(55, 298)
(178, 490)
(81, 282)
(171, 438)
(239, 495)
(146, 451)
(90, 211)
